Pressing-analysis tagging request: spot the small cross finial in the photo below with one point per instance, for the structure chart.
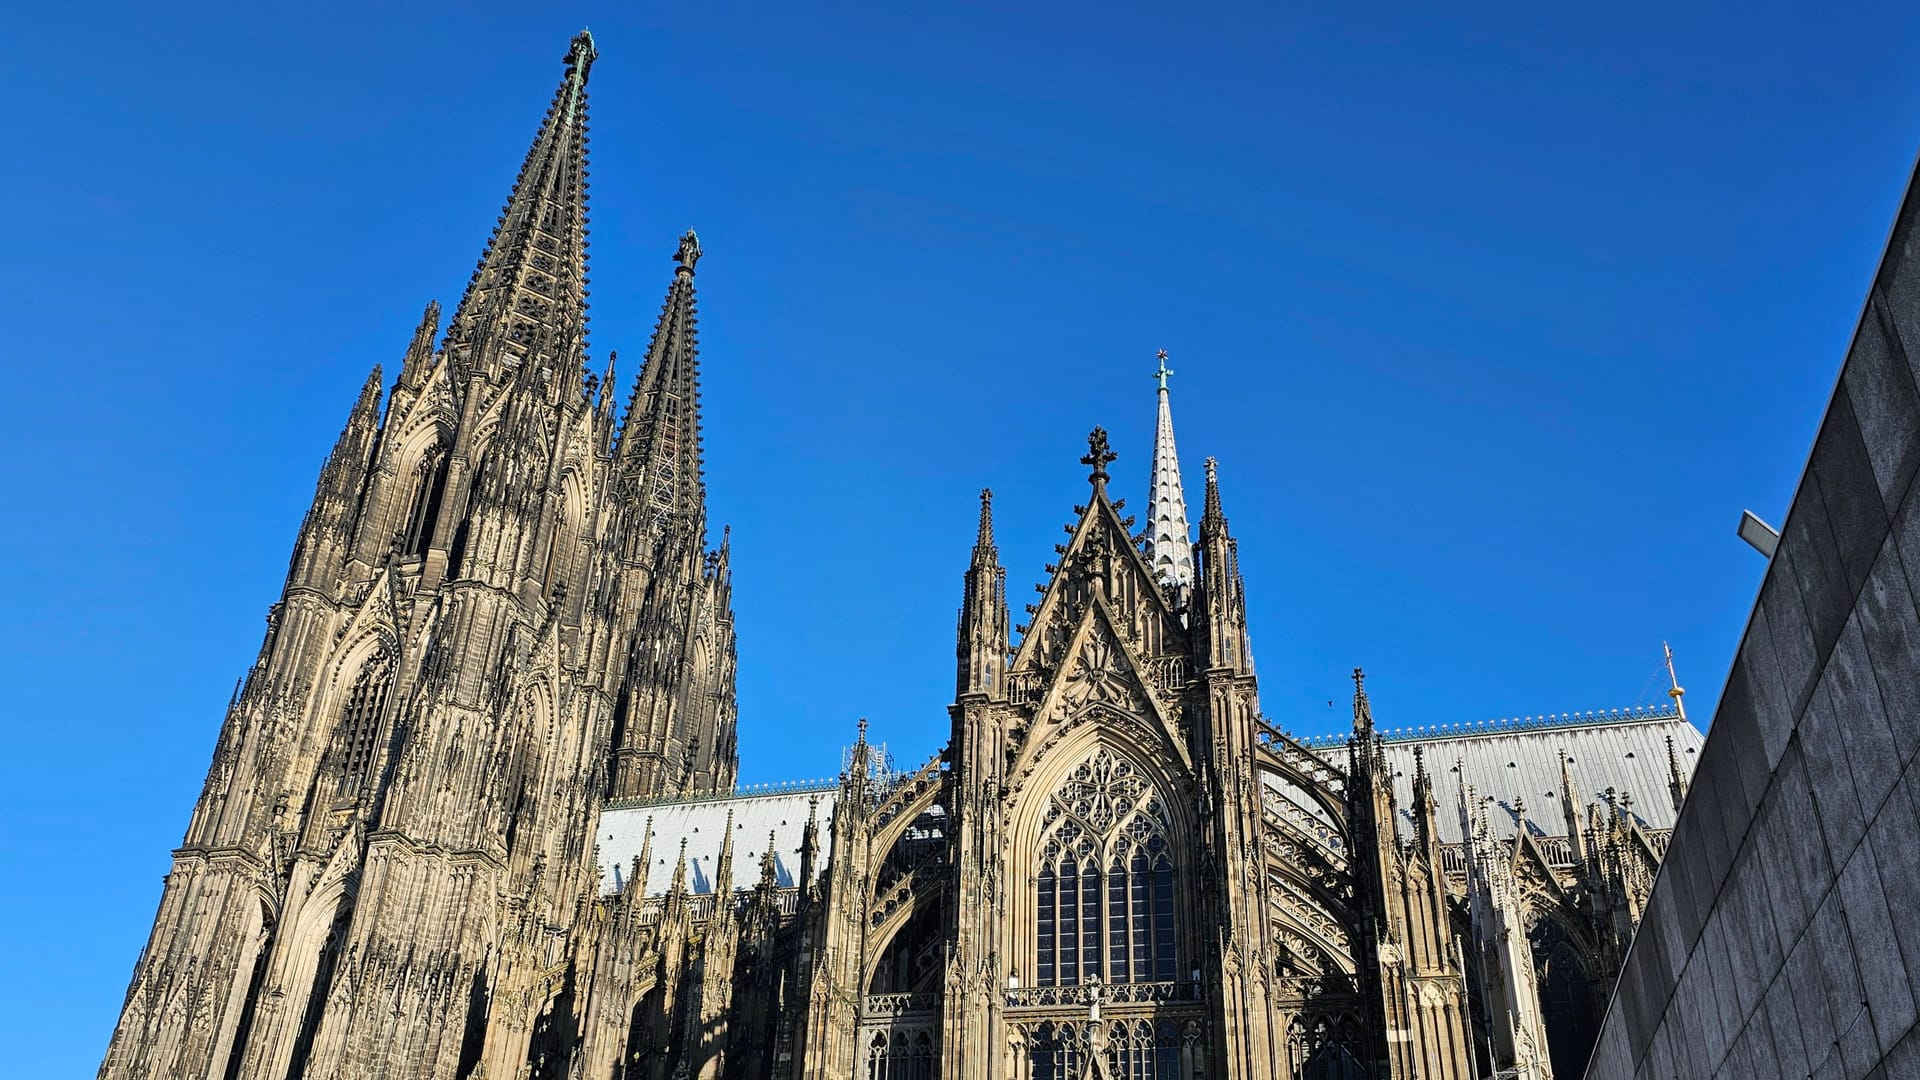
(1164, 370)
(863, 729)
(1098, 456)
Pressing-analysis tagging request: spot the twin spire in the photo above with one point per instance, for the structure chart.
(527, 300)
(660, 434)
(526, 307)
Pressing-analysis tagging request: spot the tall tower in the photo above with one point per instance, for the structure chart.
(395, 838)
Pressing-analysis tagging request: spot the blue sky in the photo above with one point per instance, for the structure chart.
(1495, 320)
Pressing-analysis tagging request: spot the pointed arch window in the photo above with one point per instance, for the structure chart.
(360, 722)
(1104, 890)
(1567, 1005)
(902, 1056)
(423, 502)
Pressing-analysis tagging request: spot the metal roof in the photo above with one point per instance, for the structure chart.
(1519, 763)
(1513, 761)
(701, 823)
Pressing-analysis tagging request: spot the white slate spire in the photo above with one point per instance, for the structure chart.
(1169, 544)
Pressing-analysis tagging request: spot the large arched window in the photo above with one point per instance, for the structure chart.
(423, 501)
(360, 718)
(1104, 887)
(1566, 999)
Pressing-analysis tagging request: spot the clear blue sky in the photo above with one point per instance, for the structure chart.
(1494, 319)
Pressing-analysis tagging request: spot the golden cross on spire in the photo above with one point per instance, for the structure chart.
(1164, 369)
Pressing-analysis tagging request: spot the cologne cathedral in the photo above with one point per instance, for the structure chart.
(472, 812)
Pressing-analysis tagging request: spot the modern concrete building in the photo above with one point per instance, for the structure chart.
(1783, 936)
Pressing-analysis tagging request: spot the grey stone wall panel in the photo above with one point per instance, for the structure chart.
(1794, 647)
(1876, 952)
(1782, 938)
(1814, 560)
(1862, 721)
(1841, 820)
(1783, 1025)
(1879, 386)
(1856, 516)
(1891, 624)
(1759, 669)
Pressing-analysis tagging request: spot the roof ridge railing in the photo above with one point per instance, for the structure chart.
(738, 791)
(1504, 725)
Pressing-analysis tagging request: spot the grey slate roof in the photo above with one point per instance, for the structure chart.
(702, 822)
(1511, 760)
(1518, 762)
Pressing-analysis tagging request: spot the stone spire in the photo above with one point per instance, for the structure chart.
(528, 297)
(327, 530)
(659, 449)
(1169, 543)
(982, 641)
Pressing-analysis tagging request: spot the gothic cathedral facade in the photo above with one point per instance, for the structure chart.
(438, 835)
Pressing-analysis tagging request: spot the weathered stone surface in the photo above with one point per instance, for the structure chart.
(1816, 922)
(1879, 385)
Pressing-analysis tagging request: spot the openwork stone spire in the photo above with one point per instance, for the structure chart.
(660, 437)
(528, 297)
(1169, 543)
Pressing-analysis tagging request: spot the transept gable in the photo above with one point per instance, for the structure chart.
(1100, 681)
(1100, 560)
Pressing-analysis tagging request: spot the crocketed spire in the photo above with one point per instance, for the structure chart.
(528, 297)
(1169, 543)
(659, 446)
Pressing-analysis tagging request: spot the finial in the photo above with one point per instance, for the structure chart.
(769, 863)
(1211, 515)
(1673, 680)
(1164, 370)
(986, 518)
(607, 383)
(1676, 783)
(688, 253)
(581, 54)
(863, 729)
(1099, 455)
(1362, 710)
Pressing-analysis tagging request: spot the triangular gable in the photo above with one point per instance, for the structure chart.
(1100, 560)
(1098, 668)
(1530, 861)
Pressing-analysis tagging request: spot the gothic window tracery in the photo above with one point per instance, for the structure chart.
(360, 718)
(1143, 1050)
(1057, 1052)
(1104, 892)
(1324, 1048)
(900, 1056)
